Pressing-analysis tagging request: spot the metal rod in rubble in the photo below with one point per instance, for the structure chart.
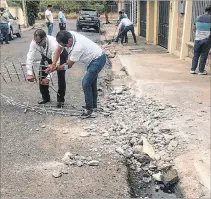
(8, 72)
(23, 71)
(34, 74)
(16, 71)
(3, 78)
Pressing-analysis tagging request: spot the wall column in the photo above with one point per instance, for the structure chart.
(186, 29)
(150, 21)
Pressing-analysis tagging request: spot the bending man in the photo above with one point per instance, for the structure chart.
(81, 49)
(46, 45)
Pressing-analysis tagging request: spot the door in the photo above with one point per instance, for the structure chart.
(143, 18)
(163, 24)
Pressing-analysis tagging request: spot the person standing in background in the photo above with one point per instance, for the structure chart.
(49, 19)
(62, 20)
(4, 28)
(202, 44)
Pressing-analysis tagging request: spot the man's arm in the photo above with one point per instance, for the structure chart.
(194, 27)
(65, 66)
(47, 16)
(29, 60)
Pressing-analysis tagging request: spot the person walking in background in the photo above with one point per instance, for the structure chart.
(4, 28)
(62, 20)
(122, 15)
(49, 19)
(202, 44)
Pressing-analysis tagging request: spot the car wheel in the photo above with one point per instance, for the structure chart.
(19, 33)
(11, 35)
(78, 28)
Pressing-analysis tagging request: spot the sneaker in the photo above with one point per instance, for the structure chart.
(43, 101)
(203, 73)
(86, 113)
(192, 72)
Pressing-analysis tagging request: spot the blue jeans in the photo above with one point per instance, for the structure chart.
(4, 29)
(50, 29)
(201, 49)
(89, 82)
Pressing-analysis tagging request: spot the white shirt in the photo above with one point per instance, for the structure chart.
(50, 16)
(51, 46)
(61, 16)
(83, 49)
(125, 22)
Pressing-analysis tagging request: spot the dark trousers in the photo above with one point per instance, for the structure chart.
(62, 26)
(44, 89)
(201, 50)
(4, 32)
(89, 82)
(124, 33)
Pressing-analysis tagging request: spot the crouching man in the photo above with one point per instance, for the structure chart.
(46, 45)
(81, 49)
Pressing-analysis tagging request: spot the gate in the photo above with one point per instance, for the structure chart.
(163, 24)
(143, 18)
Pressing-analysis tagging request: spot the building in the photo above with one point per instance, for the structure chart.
(166, 23)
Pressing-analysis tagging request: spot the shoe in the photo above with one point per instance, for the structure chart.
(192, 72)
(87, 113)
(2, 42)
(7, 42)
(60, 104)
(135, 43)
(203, 73)
(43, 101)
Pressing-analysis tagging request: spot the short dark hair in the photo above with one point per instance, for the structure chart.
(63, 36)
(49, 6)
(208, 9)
(120, 12)
(40, 32)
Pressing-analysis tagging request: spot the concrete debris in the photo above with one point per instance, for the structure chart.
(85, 134)
(93, 163)
(120, 151)
(157, 176)
(56, 174)
(79, 163)
(170, 177)
(147, 148)
(43, 126)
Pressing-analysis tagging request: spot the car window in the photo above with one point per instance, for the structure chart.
(86, 12)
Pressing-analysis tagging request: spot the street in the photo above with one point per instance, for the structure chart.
(30, 153)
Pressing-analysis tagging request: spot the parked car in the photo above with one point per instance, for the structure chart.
(88, 18)
(14, 27)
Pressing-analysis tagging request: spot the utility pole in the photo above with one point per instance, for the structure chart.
(25, 14)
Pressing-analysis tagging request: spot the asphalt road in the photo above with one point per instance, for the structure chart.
(30, 153)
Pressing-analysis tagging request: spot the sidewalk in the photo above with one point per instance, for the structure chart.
(165, 78)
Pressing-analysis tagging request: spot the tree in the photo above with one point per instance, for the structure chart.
(33, 8)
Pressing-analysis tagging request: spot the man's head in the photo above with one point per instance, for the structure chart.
(208, 9)
(62, 9)
(64, 38)
(120, 13)
(40, 37)
(50, 7)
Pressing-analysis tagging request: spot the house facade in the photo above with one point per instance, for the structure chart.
(167, 23)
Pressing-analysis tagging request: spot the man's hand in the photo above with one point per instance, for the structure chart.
(30, 78)
(50, 68)
(44, 81)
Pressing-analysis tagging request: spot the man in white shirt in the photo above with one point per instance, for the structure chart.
(62, 20)
(46, 45)
(125, 26)
(82, 49)
(49, 19)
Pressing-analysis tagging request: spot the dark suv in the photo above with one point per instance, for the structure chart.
(88, 18)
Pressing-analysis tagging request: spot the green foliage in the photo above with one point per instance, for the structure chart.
(33, 8)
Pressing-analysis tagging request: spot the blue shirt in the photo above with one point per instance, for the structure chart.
(203, 27)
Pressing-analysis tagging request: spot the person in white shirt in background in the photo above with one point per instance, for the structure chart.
(121, 16)
(46, 45)
(62, 20)
(125, 26)
(49, 19)
(81, 49)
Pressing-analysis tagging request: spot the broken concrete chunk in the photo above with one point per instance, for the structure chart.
(85, 134)
(56, 174)
(93, 163)
(138, 149)
(170, 177)
(148, 149)
(157, 176)
(79, 163)
(120, 151)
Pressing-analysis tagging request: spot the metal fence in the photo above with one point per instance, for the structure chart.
(131, 10)
(198, 9)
